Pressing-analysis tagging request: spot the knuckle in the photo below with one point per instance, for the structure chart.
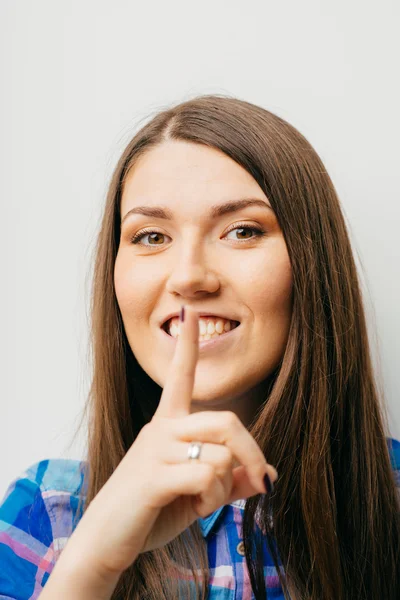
(208, 475)
(149, 427)
(145, 431)
(263, 468)
(231, 420)
(226, 458)
(157, 425)
(185, 370)
(203, 512)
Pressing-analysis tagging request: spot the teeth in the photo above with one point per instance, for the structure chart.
(219, 326)
(174, 329)
(208, 328)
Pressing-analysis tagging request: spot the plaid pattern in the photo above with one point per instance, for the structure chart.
(36, 521)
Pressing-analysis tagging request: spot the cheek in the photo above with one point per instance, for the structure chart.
(123, 283)
(280, 294)
(130, 284)
(272, 306)
(269, 286)
(278, 291)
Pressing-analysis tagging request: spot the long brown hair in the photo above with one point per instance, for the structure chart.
(335, 525)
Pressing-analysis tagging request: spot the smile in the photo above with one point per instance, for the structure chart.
(209, 327)
(213, 331)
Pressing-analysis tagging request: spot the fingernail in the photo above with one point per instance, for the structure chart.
(182, 315)
(269, 486)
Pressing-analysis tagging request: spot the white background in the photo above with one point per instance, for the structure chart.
(77, 79)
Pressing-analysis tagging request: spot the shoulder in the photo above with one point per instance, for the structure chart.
(394, 453)
(37, 516)
(39, 485)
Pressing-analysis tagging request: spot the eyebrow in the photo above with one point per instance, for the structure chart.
(218, 210)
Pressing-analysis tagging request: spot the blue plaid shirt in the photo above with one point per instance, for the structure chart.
(36, 521)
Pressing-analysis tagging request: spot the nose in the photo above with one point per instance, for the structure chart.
(191, 275)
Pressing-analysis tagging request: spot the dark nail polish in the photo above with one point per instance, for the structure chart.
(182, 315)
(269, 486)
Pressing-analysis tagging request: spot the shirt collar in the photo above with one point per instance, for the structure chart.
(207, 523)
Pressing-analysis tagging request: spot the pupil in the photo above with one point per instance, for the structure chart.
(154, 236)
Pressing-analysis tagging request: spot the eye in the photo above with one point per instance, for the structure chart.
(243, 227)
(158, 235)
(136, 239)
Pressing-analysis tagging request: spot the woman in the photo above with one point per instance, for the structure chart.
(224, 209)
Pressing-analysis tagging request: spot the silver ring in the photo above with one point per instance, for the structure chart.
(194, 450)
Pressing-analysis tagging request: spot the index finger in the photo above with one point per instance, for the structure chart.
(176, 397)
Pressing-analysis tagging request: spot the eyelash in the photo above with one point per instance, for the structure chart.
(135, 239)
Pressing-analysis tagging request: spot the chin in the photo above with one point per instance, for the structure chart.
(210, 396)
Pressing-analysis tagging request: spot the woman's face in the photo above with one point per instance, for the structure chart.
(208, 262)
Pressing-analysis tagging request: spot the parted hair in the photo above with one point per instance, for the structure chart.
(334, 532)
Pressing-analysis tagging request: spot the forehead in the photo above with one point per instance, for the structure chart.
(177, 171)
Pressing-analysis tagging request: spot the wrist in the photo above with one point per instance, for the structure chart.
(79, 578)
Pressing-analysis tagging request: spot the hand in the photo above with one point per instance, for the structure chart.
(156, 492)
